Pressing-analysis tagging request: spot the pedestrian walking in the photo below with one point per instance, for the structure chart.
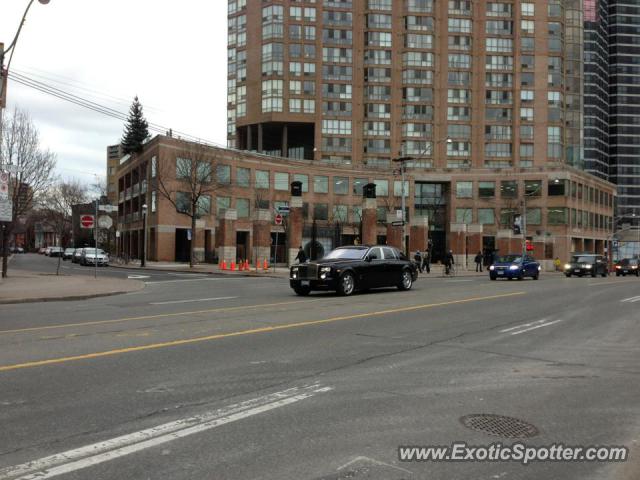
(426, 260)
(418, 259)
(448, 262)
(478, 260)
(301, 257)
(557, 264)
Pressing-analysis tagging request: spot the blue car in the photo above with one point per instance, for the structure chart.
(512, 266)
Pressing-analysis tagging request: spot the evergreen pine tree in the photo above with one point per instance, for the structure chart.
(136, 130)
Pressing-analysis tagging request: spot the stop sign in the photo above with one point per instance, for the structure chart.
(86, 221)
(278, 219)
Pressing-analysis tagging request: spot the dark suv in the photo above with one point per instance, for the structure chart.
(628, 266)
(586, 264)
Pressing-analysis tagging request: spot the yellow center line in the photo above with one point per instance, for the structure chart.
(151, 317)
(187, 341)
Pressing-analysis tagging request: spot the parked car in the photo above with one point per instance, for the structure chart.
(55, 251)
(628, 266)
(42, 250)
(68, 253)
(77, 254)
(586, 264)
(17, 250)
(91, 256)
(514, 266)
(358, 267)
(47, 250)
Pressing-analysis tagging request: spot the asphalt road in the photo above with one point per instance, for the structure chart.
(237, 378)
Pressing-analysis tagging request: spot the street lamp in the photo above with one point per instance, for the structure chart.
(143, 257)
(402, 160)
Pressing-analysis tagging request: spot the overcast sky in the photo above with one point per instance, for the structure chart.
(172, 54)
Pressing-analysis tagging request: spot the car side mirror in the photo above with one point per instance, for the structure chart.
(367, 258)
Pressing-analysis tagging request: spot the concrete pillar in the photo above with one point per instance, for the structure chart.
(285, 141)
(503, 241)
(262, 235)
(418, 234)
(249, 137)
(227, 235)
(474, 241)
(198, 248)
(458, 243)
(369, 221)
(294, 228)
(394, 233)
(260, 138)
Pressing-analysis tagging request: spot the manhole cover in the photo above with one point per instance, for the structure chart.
(499, 425)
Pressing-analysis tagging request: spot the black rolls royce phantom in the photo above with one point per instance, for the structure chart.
(357, 267)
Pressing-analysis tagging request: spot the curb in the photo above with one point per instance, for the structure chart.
(62, 299)
(218, 274)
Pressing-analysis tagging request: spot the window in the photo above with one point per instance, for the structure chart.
(243, 177)
(557, 216)
(397, 188)
(382, 187)
(486, 216)
(527, 26)
(336, 127)
(526, 114)
(533, 188)
(464, 189)
(340, 213)
(509, 189)
(527, 9)
(381, 215)
(281, 181)
(320, 211)
(321, 184)
(154, 201)
(341, 185)
(526, 95)
(358, 183)
(242, 207)
(223, 174)
(464, 215)
(183, 202)
(154, 166)
(556, 188)
(204, 205)
(487, 189)
(183, 168)
(534, 216)
(222, 203)
(302, 178)
(262, 179)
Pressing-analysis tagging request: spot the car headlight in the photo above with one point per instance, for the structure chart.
(325, 269)
(514, 267)
(633, 267)
(492, 268)
(588, 267)
(294, 269)
(567, 267)
(539, 268)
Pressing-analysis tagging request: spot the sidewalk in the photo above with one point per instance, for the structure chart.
(26, 287)
(282, 271)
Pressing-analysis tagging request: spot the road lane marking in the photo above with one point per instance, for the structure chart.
(535, 328)
(199, 279)
(194, 300)
(272, 328)
(631, 300)
(610, 282)
(90, 455)
(151, 317)
(138, 277)
(523, 325)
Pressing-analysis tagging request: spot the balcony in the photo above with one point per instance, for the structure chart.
(136, 190)
(127, 194)
(121, 197)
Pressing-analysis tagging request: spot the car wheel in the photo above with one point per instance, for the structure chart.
(593, 275)
(492, 277)
(406, 281)
(509, 278)
(302, 291)
(604, 274)
(617, 274)
(568, 275)
(536, 276)
(346, 284)
(521, 276)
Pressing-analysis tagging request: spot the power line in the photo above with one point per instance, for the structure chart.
(97, 107)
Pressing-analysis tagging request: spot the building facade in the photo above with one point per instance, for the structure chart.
(114, 154)
(624, 89)
(566, 209)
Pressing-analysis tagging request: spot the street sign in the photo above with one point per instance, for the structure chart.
(6, 211)
(397, 224)
(4, 177)
(87, 221)
(399, 214)
(105, 221)
(278, 219)
(283, 209)
(4, 191)
(107, 208)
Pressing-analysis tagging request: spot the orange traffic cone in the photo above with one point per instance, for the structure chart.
(265, 265)
(257, 265)
(223, 265)
(233, 266)
(246, 265)
(241, 266)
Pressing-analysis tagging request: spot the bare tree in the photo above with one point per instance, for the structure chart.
(33, 169)
(187, 183)
(57, 204)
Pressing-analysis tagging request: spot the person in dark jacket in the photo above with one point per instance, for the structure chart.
(418, 259)
(478, 260)
(426, 260)
(301, 257)
(448, 262)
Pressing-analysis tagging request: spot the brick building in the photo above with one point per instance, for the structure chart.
(567, 209)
